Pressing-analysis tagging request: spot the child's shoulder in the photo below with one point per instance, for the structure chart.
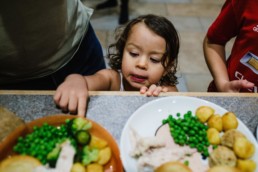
(112, 75)
(115, 78)
(111, 72)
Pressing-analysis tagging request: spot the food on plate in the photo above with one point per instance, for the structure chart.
(98, 143)
(188, 130)
(64, 162)
(203, 113)
(222, 156)
(243, 148)
(57, 148)
(193, 140)
(246, 165)
(229, 137)
(229, 121)
(173, 167)
(213, 136)
(83, 137)
(215, 121)
(95, 167)
(223, 168)
(152, 152)
(104, 155)
(19, 163)
(78, 167)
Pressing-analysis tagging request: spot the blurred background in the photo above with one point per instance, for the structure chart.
(191, 18)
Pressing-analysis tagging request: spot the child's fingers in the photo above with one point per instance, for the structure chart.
(82, 105)
(247, 84)
(57, 97)
(236, 85)
(143, 89)
(157, 91)
(63, 103)
(151, 90)
(72, 106)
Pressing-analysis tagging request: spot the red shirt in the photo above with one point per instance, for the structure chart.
(239, 18)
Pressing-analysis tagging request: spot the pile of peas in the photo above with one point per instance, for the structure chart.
(188, 130)
(41, 141)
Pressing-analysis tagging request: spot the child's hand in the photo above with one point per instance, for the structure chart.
(72, 95)
(153, 90)
(237, 85)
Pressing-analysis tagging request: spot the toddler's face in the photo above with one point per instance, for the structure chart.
(141, 63)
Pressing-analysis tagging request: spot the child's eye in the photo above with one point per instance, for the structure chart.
(133, 54)
(153, 60)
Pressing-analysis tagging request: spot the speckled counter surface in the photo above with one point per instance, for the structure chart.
(112, 111)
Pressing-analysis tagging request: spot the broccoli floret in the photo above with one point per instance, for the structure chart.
(89, 155)
(53, 156)
(77, 124)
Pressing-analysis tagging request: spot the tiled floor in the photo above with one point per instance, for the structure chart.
(191, 18)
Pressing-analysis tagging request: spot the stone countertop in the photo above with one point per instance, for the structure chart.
(112, 111)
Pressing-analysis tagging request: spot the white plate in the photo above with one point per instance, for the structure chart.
(148, 118)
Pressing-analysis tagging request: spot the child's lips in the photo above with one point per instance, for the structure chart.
(138, 78)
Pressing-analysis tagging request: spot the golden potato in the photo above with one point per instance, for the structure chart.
(213, 136)
(78, 167)
(203, 113)
(243, 148)
(223, 168)
(246, 165)
(222, 156)
(97, 142)
(95, 168)
(173, 167)
(229, 121)
(229, 137)
(21, 163)
(104, 156)
(215, 121)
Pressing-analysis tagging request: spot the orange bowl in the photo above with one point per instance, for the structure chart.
(7, 144)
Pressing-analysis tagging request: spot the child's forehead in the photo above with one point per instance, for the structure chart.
(141, 28)
(144, 38)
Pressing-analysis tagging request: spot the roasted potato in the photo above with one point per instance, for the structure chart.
(203, 113)
(229, 137)
(246, 165)
(21, 163)
(215, 121)
(104, 155)
(97, 142)
(243, 148)
(78, 167)
(222, 156)
(229, 121)
(173, 167)
(95, 167)
(223, 168)
(213, 136)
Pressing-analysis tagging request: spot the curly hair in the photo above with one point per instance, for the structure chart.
(162, 27)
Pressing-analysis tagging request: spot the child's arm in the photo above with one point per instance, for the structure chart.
(216, 61)
(155, 90)
(215, 58)
(72, 94)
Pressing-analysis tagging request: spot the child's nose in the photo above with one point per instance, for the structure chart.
(142, 63)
